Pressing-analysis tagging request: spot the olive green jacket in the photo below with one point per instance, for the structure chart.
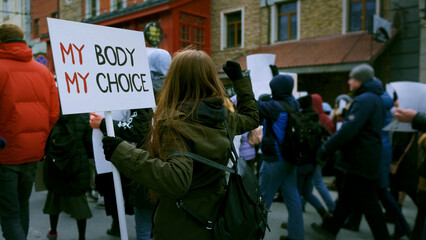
(200, 186)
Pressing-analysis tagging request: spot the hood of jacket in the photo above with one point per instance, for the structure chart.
(159, 61)
(317, 103)
(209, 112)
(18, 51)
(373, 86)
(282, 89)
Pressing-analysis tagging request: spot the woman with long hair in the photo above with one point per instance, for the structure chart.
(189, 117)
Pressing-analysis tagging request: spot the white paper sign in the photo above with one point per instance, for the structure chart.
(102, 165)
(410, 95)
(260, 72)
(100, 68)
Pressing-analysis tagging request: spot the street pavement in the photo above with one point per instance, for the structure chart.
(99, 223)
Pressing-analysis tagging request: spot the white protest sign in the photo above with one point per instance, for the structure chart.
(100, 68)
(410, 95)
(102, 165)
(260, 72)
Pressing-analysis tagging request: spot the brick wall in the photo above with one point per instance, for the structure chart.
(320, 18)
(252, 36)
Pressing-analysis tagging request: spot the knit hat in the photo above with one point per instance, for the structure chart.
(362, 73)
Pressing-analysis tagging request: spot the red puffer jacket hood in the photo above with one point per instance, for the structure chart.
(29, 104)
(16, 51)
(324, 119)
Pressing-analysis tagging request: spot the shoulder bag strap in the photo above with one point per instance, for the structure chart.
(406, 149)
(202, 159)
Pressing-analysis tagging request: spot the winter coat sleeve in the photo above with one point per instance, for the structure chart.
(54, 103)
(419, 122)
(133, 130)
(355, 119)
(247, 117)
(171, 178)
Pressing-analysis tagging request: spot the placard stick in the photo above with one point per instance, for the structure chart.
(117, 182)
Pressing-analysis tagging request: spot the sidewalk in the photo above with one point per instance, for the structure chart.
(99, 223)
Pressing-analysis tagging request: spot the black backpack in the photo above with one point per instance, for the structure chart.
(243, 214)
(61, 151)
(303, 137)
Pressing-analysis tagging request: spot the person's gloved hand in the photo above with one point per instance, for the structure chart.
(233, 70)
(109, 146)
(322, 156)
(274, 70)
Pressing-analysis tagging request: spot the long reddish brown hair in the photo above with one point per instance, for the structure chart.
(192, 77)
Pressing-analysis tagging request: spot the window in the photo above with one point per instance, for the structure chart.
(233, 29)
(360, 14)
(92, 8)
(287, 21)
(6, 9)
(36, 28)
(192, 31)
(117, 4)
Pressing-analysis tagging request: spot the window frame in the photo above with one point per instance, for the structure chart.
(89, 9)
(114, 5)
(194, 32)
(224, 28)
(6, 10)
(275, 24)
(346, 14)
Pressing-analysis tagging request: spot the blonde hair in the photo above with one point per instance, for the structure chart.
(10, 31)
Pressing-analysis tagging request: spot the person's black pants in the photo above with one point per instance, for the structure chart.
(358, 192)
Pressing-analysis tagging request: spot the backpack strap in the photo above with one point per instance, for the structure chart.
(206, 223)
(233, 156)
(202, 159)
(287, 106)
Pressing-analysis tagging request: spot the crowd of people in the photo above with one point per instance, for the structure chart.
(374, 168)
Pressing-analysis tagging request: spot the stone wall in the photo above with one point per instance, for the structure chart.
(70, 10)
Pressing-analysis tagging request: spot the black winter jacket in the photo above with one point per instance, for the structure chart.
(79, 182)
(359, 138)
(419, 122)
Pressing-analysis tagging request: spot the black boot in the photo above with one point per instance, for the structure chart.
(115, 228)
(323, 213)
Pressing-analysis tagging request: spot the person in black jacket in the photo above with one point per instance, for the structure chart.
(359, 140)
(307, 168)
(418, 120)
(68, 179)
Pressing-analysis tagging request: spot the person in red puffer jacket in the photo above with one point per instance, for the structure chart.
(29, 107)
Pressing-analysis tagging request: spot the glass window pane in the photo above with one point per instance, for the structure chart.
(288, 7)
(371, 8)
(293, 26)
(283, 28)
(231, 36)
(356, 16)
(232, 17)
